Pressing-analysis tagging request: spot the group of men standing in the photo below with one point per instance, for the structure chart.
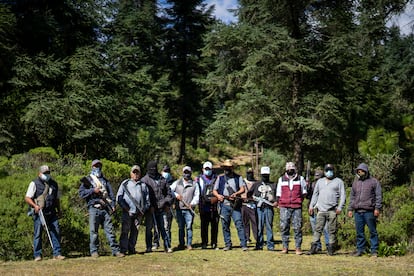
(156, 198)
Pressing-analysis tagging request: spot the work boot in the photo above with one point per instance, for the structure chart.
(330, 249)
(313, 249)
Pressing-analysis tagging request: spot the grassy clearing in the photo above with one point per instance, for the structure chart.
(216, 262)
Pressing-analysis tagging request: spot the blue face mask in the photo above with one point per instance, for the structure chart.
(208, 172)
(166, 175)
(45, 177)
(329, 174)
(96, 172)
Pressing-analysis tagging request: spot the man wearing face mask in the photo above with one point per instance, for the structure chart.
(329, 198)
(98, 194)
(265, 191)
(365, 205)
(42, 194)
(208, 205)
(161, 200)
(228, 189)
(168, 216)
(290, 192)
(187, 193)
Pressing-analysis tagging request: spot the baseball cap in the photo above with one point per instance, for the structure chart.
(44, 169)
(95, 162)
(265, 170)
(207, 165)
(187, 168)
(135, 168)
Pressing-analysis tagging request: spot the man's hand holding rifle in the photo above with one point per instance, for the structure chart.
(190, 208)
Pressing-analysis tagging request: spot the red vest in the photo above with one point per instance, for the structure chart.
(291, 198)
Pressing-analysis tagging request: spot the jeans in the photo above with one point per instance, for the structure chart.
(53, 226)
(129, 233)
(288, 215)
(209, 218)
(101, 217)
(323, 219)
(362, 219)
(226, 214)
(249, 216)
(185, 221)
(265, 216)
(167, 217)
(149, 224)
(312, 220)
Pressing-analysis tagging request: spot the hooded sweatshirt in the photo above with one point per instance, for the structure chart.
(366, 193)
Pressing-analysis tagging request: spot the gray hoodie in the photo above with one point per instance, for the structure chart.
(366, 193)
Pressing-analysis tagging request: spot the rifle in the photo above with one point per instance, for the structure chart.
(155, 224)
(308, 171)
(43, 222)
(140, 212)
(236, 200)
(260, 201)
(103, 201)
(189, 207)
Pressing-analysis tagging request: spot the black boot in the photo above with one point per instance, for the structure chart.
(313, 250)
(330, 249)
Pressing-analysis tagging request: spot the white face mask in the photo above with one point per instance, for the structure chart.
(45, 177)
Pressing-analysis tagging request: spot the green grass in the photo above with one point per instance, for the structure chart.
(215, 262)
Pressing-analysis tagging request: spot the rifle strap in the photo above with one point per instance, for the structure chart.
(96, 181)
(134, 200)
(41, 200)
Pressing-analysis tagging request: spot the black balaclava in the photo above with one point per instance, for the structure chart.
(250, 176)
(152, 169)
(265, 178)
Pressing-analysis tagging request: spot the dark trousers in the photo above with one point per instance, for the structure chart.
(209, 218)
(249, 216)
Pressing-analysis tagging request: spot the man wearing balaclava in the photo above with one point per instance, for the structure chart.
(329, 198)
(290, 192)
(365, 204)
(266, 195)
(161, 199)
(248, 208)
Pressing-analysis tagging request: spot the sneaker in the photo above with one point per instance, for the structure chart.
(374, 254)
(189, 247)
(214, 246)
(38, 259)
(169, 250)
(154, 247)
(59, 257)
(148, 250)
(271, 249)
(120, 255)
(245, 248)
(298, 251)
(284, 251)
(357, 254)
(227, 248)
(95, 255)
(203, 246)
